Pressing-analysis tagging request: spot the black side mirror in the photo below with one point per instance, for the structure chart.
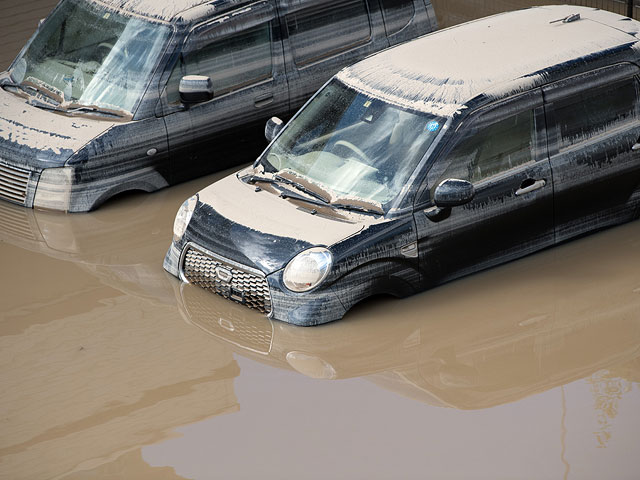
(453, 193)
(195, 89)
(272, 128)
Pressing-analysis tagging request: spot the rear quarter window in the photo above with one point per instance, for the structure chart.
(593, 112)
(322, 31)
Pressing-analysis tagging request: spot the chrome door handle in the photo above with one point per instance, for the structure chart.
(530, 188)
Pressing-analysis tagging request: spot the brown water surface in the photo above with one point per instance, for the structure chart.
(112, 369)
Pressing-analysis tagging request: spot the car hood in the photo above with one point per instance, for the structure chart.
(260, 229)
(37, 138)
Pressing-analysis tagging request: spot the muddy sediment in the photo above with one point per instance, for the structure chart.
(112, 368)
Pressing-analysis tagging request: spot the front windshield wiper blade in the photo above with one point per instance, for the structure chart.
(45, 106)
(289, 194)
(31, 88)
(91, 109)
(278, 179)
(357, 208)
(302, 188)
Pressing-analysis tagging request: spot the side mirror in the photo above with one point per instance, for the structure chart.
(195, 89)
(453, 193)
(41, 21)
(272, 128)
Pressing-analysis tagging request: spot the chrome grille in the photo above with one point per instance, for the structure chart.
(226, 279)
(255, 334)
(13, 183)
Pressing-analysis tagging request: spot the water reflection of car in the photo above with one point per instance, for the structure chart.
(485, 340)
(429, 161)
(112, 95)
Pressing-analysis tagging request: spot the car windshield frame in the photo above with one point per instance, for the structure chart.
(86, 56)
(381, 147)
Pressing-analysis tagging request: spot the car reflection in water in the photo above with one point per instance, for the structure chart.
(494, 338)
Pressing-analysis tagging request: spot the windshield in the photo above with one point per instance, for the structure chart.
(87, 55)
(354, 146)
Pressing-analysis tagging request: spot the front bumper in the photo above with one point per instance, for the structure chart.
(321, 305)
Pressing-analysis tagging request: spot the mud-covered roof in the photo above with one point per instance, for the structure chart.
(170, 10)
(495, 56)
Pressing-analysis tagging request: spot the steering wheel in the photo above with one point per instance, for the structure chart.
(350, 146)
(274, 158)
(102, 50)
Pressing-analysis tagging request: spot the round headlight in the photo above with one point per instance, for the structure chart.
(183, 217)
(307, 269)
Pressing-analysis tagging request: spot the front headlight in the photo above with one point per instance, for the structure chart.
(308, 269)
(54, 189)
(183, 217)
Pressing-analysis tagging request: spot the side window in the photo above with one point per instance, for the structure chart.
(493, 149)
(232, 62)
(321, 31)
(580, 117)
(397, 14)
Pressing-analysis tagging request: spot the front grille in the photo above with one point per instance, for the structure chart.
(255, 334)
(218, 275)
(13, 183)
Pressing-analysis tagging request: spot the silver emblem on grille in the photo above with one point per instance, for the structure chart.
(224, 275)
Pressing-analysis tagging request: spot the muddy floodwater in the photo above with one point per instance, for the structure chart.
(110, 368)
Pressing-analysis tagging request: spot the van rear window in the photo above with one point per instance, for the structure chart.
(321, 31)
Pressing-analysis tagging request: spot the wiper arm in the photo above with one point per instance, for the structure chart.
(279, 179)
(357, 208)
(257, 178)
(31, 88)
(45, 106)
(20, 86)
(288, 194)
(302, 188)
(90, 108)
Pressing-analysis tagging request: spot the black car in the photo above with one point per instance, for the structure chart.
(117, 95)
(452, 153)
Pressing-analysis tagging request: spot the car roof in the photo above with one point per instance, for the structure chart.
(488, 59)
(172, 10)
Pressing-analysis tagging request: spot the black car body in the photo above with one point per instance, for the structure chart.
(529, 137)
(94, 104)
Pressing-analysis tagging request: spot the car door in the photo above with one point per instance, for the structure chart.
(242, 54)
(501, 150)
(594, 125)
(323, 36)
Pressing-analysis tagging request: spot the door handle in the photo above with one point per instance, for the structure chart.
(263, 100)
(636, 147)
(528, 187)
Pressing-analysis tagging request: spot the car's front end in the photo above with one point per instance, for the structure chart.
(314, 226)
(266, 252)
(84, 71)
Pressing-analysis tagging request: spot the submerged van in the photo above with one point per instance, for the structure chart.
(116, 95)
(449, 154)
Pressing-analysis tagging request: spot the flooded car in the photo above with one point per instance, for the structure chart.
(112, 96)
(427, 162)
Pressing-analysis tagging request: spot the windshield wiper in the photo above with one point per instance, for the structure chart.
(278, 179)
(357, 208)
(90, 108)
(288, 194)
(302, 188)
(31, 88)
